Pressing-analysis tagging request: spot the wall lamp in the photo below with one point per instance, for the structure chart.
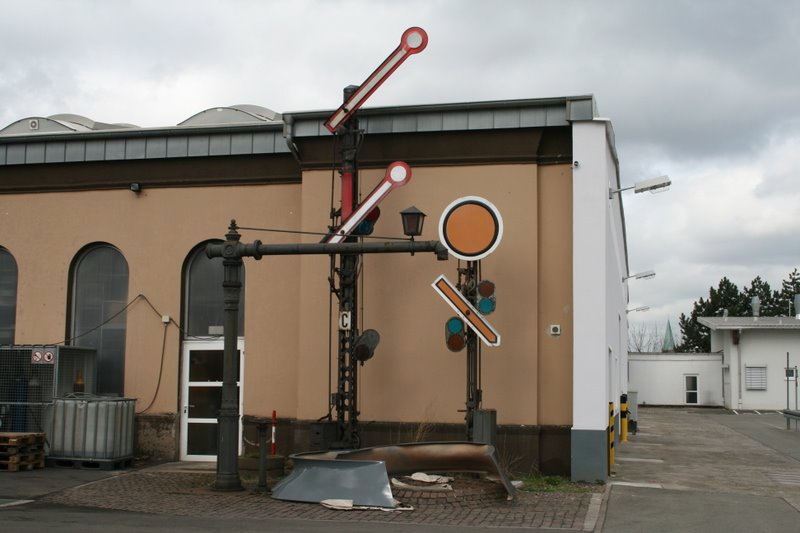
(660, 184)
(647, 274)
(635, 309)
(135, 187)
(413, 219)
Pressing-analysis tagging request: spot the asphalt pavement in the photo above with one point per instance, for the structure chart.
(706, 470)
(688, 469)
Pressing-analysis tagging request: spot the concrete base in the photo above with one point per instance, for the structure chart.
(521, 449)
(589, 455)
(156, 436)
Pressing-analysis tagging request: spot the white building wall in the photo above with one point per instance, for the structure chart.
(598, 257)
(768, 348)
(659, 379)
(599, 298)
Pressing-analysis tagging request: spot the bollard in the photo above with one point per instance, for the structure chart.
(623, 418)
(274, 444)
(262, 457)
(611, 457)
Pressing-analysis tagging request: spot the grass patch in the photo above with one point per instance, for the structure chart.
(540, 483)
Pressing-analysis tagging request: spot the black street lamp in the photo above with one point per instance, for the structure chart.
(413, 219)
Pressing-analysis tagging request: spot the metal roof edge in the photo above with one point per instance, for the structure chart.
(745, 322)
(140, 132)
(450, 106)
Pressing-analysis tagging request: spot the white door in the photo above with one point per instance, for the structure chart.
(201, 398)
(691, 388)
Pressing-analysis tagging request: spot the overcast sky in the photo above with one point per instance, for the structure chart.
(704, 91)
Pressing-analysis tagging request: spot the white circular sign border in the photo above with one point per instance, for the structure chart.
(472, 199)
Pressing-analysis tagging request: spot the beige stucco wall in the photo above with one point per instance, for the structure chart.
(413, 377)
(155, 230)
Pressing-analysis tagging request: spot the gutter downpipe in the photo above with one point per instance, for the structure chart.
(288, 135)
(739, 365)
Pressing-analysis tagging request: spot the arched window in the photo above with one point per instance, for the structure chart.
(204, 296)
(99, 293)
(8, 296)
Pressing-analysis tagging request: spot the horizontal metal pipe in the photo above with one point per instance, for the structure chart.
(257, 249)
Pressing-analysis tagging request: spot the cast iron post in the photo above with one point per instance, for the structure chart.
(228, 453)
(347, 374)
(473, 402)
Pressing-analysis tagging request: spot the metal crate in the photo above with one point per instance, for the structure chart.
(32, 376)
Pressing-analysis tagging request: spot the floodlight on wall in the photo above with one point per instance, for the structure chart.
(647, 274)
(135, 187)
(636, 309)
(659, 184)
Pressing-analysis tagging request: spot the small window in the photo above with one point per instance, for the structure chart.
(755, 377)
(691, 382)
(204, 296)
(99, 296)
(8, 296)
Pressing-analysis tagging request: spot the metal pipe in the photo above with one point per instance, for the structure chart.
(257, 249)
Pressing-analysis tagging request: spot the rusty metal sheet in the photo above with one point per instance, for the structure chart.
(329, 472)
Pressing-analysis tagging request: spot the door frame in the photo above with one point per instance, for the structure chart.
(186, 348)
(687, 390)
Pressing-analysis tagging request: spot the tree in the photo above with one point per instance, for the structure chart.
(644, 338)
(727, 300)
(785, 299)
(767, 297)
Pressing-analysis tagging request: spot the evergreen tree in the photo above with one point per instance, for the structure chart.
(785, 299)
(727, 297)
(695, 336)
(768, 298)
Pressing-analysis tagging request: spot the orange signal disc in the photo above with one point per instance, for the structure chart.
(471, 228)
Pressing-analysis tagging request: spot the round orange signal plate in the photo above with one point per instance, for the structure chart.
(471, 228)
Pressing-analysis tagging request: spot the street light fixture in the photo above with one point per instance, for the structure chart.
(635, 309)
(647, 274)
(659, 184)
(413, 219)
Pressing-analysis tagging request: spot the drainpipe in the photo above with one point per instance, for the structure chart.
(738, 363)
(288, 135)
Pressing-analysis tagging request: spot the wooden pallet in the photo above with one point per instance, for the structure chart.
(6, 451)
(23, 458)
(21, 451)
(16, 466)
(19, 439)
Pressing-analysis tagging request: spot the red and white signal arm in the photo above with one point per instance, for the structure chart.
(397, 175)
(413, 41)
(471, 228)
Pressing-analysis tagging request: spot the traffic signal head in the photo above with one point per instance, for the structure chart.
(455, 334)
(364, 347)
(366, 226)
(486, 303)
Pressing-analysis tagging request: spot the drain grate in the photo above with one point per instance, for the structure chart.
(786, 478)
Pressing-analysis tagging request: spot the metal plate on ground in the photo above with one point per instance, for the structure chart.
(312, 480)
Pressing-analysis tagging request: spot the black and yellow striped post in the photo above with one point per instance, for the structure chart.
(623, 418)
(610, 436)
